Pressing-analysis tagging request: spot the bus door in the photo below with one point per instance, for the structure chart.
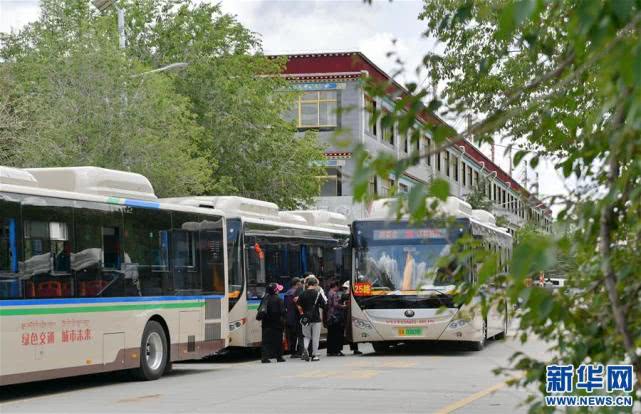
(9, 282)
(214, 278)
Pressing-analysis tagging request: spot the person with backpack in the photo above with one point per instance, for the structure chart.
(309, 304)
(271, 313)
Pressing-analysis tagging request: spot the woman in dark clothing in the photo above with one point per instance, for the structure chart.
(272, 324)
(336, 315)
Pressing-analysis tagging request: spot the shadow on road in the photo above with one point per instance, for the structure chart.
(62, 385)
(231, 356)
(436, 348)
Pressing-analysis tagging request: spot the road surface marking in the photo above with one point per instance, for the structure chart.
(140, 398)
(476, 396)
(359, 374)
(387, 364)
(321, 373)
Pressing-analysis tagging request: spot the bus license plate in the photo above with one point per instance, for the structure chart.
(410, 331)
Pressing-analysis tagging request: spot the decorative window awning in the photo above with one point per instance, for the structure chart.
(338, 155)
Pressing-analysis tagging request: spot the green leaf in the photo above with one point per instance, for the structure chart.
(440, 189)
(623, 9)
(519, 156)
(488, 268)
(416, 202)
(513, 15)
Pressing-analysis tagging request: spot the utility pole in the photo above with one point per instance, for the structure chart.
(103, 5)
(121, 28)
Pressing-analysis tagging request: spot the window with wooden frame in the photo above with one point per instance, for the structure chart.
(317, 109)
(372, 186)
(447, 163)
(464, 177)
(388, 134)
(388, 186)
(428, 148)
(455, 167)
(370, 120)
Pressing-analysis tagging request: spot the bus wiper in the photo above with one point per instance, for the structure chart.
(439, 291)
(442, 296)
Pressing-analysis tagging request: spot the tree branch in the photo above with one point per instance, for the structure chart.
(489, 122)
(605, 249)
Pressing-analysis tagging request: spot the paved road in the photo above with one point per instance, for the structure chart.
(431, 379)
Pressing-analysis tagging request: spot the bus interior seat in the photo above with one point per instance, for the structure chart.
(51, 288)
(92, 287)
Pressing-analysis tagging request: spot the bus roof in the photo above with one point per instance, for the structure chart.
(263, 212)
(385, 209)
(88, 184)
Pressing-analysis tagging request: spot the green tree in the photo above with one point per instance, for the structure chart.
(9, 123)
(238, 96)
(564, 79)
(477, 197)
(215, 127)
(80, 103)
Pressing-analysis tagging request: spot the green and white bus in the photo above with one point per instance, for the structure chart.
(401, 295)
(268, 245)
(97, 274)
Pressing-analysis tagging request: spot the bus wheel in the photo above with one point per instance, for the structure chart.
(480, 344)
(153, 352)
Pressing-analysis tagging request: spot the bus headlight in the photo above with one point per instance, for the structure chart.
(360, 323)
(236, 324)
(459, 323)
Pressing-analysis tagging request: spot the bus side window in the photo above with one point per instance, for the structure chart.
(212, 255)
(146, 250)
(97, 263)
(10, 284)
(47, 248)
(185, 240)
(255, 255)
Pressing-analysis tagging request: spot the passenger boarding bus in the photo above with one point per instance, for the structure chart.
(97, 275)
(268, 245)
(399, 292)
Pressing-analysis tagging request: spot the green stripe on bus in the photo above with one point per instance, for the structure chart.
(112, 308)
(113, 200)
(252, 307)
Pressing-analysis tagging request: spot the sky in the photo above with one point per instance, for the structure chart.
(295, 26)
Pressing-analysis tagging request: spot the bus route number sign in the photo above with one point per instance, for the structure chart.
(362, 289)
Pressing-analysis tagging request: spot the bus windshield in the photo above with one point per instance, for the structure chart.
(396, 258)
(403, 268)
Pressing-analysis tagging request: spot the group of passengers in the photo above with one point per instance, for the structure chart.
(301, 317)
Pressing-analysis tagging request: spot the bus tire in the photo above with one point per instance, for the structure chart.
(154, 353)
(480, 344)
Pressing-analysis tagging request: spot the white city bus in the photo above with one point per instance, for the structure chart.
(399, 292)
(97, 275)
(267, 245)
